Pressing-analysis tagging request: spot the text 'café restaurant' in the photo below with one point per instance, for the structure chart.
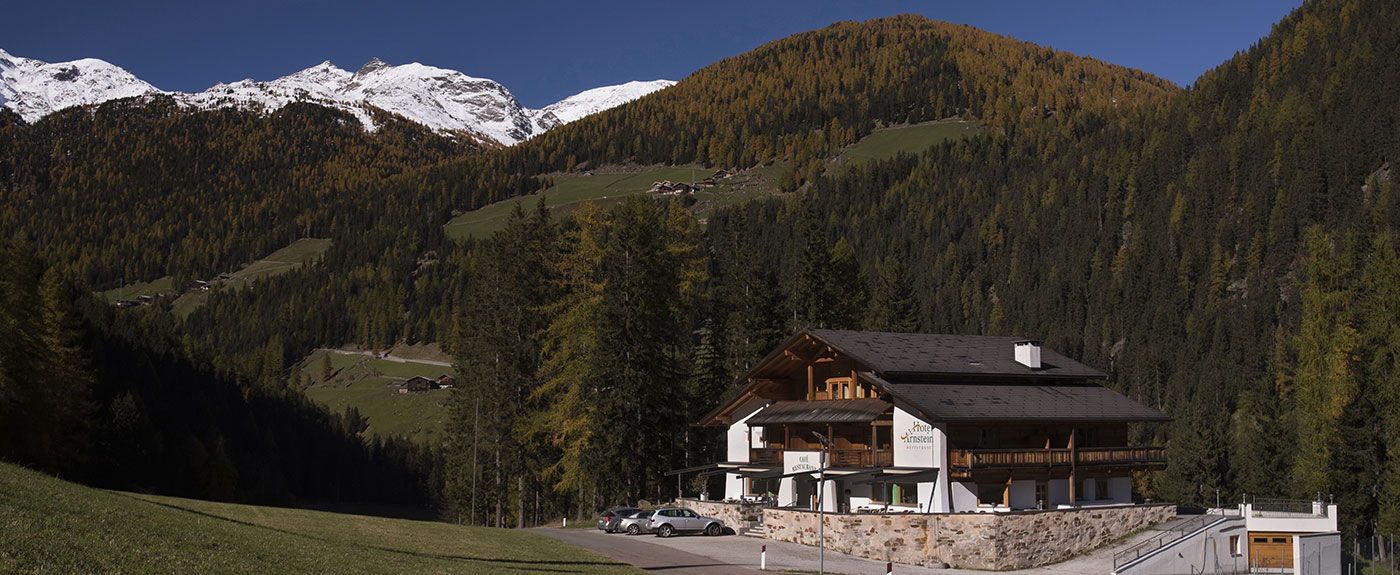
(928, 423)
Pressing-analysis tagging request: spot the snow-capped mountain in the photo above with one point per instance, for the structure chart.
(442, 99)
(34, 89)
(594, 101)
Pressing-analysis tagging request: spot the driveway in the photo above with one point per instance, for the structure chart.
(700, 555)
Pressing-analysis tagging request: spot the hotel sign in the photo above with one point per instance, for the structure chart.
(917, 436)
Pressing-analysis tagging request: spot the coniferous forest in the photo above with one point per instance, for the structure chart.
(1228, 252)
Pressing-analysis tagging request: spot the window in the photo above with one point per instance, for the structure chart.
(908, 493)
(1261, 539)
(688, 513)
(1280, 540)
(1101, 488)
(991, 494)
(1042, 494)
(763, 487)
(1235, 550)
(879, 493)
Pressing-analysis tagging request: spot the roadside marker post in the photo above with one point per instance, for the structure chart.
(566, 521)
(763, 558)
(889, 568)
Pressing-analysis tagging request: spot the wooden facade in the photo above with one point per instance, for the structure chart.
(795, 382)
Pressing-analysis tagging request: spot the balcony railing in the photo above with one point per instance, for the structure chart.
(835, 457)
(766, 455)
(861, 458)
(1084, 457)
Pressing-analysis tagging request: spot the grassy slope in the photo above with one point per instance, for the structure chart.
(419, 416)
(279, 262)
(890, 142)
(570, 189)
(52, 526)
(360, 382)
(165, 285)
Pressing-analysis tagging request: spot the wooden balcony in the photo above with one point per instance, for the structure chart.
(860, 458)
(835, 457)
(766, 455)
(969, 459)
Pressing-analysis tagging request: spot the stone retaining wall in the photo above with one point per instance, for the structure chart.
(995, 541)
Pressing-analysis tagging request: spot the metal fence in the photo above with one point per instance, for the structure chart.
(1371, 556)
(1303, 506)
(1168, 535)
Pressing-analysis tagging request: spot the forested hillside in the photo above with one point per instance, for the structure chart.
(114, 402)
(1226, 252)
(1229, 255)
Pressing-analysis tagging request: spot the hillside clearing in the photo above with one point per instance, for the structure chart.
(286, 259)
(364, 382)
(890, 142)
(53, 526)
(164, 285)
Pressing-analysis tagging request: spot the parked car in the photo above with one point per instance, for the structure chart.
(669, 521)
(636, 523)
(607, 521)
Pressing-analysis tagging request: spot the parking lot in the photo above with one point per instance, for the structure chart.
(701, 555)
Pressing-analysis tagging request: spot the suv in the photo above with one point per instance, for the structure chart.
(608, 520)
(668, 521)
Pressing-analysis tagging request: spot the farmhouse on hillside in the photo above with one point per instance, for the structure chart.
(419, 384)
(945, 439)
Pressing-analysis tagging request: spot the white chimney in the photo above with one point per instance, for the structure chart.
(1028, 353)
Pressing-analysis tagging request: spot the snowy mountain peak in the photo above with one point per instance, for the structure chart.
(370, 66)
(596, 100)
(442, 99)
(34, 89)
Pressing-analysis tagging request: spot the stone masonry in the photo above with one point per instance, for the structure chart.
(994, 541)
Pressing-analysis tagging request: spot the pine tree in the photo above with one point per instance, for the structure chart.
(326, 370)
(893, 305)
(1326, 379)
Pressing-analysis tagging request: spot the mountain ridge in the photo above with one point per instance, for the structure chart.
(445, 100)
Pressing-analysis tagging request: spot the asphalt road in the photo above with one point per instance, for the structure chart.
(644, 554)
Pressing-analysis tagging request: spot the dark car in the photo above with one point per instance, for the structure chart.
(608, 520)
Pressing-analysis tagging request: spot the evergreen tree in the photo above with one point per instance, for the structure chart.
(893, 305)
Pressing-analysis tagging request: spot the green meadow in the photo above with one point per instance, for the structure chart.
(53, 526)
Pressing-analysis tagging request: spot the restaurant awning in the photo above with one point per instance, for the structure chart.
(826, 411)
(899, 475)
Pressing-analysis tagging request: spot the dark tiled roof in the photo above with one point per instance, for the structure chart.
(893, 354)
(942, 401)
(828, 411)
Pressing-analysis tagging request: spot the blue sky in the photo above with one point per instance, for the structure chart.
(544, 51)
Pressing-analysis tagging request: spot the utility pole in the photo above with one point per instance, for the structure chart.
(821, 503)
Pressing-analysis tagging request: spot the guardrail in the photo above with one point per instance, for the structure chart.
(1167, 537)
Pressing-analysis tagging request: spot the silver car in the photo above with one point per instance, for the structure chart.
(669, 521)
(636, 523)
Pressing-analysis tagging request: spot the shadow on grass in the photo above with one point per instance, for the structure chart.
(517, 564)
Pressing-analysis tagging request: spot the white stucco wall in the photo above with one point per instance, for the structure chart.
(1323, 522)
(1318, 554)
(918, 443)
(1120, 489)
(964, 496)
(1022, 494)
(736, 445)
(1059, 492)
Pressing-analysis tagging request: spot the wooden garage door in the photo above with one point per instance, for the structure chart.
(1270, 550)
